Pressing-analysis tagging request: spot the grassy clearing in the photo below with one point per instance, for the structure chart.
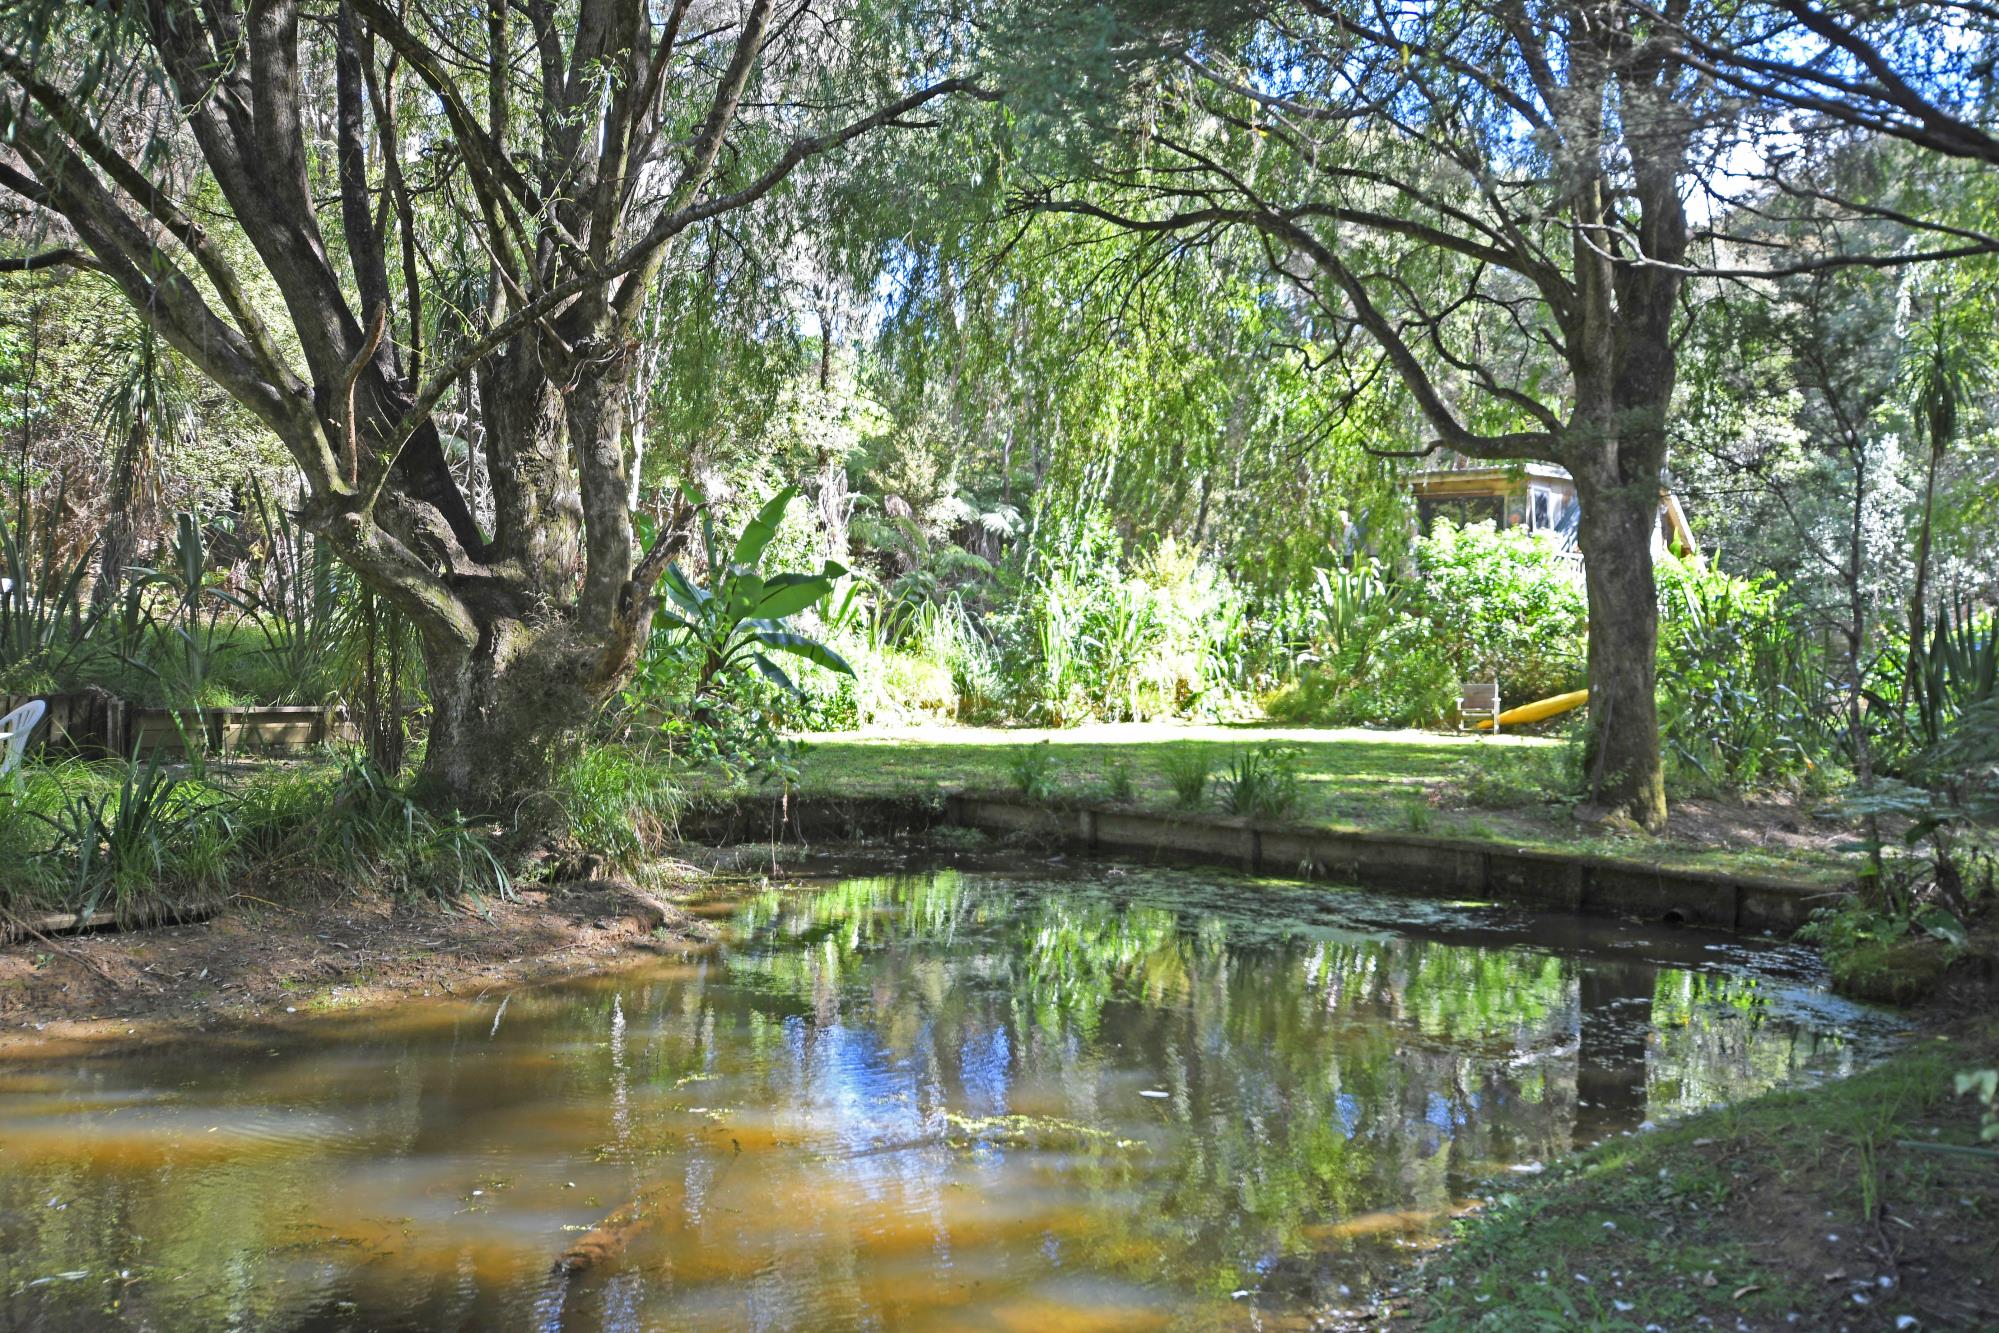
(1493, 789)
(1791, 1210)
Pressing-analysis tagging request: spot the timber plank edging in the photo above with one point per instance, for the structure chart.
(1418, 863)
(1414, 863)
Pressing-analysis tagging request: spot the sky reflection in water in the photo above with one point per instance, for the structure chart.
(1116, 1100)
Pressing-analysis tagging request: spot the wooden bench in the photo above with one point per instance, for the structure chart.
(1477, 700)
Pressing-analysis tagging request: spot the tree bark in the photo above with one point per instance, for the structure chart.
(502, 714)
(1624, 767)
(116, 551)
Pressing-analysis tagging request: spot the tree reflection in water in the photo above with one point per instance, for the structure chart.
(929, 1099)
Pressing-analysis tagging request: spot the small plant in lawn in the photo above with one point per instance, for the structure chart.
(1032, 768)
(1187, 769)
(1118, 783)
(1984, 1085)
(1262, 782)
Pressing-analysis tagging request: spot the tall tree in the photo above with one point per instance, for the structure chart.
(182, 145)
(1505, 198)
(1493, 195)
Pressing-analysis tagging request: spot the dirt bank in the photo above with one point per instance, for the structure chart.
(262, 962)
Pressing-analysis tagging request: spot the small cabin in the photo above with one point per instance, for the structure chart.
(1537, 496)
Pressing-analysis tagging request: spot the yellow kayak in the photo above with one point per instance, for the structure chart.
(1536, 711)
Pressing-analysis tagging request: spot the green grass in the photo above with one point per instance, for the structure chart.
(1742, 1213)
(1475, 787)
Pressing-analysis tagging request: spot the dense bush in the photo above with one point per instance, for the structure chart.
(1744, 696)
(1476, 604)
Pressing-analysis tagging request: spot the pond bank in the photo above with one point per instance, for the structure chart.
(1827, 1207)
(1506, 791)
(260, 963)
(1650, 889)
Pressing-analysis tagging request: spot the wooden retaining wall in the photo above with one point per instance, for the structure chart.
(1410, 863)
(1436, 867)
(98, 724)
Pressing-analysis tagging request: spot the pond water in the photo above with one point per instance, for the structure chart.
(1106, 1099)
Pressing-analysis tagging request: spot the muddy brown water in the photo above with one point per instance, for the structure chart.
(1096, 1098)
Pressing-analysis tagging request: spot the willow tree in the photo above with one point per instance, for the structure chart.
(270, 182)
(1487, 202)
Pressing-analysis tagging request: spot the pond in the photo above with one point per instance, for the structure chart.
(1099, 1097)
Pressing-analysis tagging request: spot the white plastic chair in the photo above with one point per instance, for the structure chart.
(15, 729)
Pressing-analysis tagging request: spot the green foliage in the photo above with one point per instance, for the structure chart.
(297, 610)
(1095, 639)
(116, 836)
(1032, 768)
(1954, 673)
(1119, 784)
(1745, 700)
(618, 801)
(112, 843)
(1477, 604)
(1187, 769)
(1262, 782)
(44, 622)
(1891, 955)
(741, 616)
(1982, 1084)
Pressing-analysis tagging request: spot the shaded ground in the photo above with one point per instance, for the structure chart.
(1497, 789)
(1800, 1209)
(264, 962)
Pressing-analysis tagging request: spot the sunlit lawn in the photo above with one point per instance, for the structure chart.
(1461, 785)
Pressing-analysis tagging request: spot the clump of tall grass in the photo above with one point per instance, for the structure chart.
(1262, 782)
(112, 836)
(1187, 769)
(1032, 768)
(1119, 784)
(618, 802)
(122, 835)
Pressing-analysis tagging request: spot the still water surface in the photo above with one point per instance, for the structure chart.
(1117, 1099)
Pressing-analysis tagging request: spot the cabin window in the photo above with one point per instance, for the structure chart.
(1543, 519)
(1462, 510)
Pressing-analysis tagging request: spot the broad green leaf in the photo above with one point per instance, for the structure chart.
(788, 594)
(798, 645)
(682, 591)
(773, 673)
(757, 536)
(743, 591)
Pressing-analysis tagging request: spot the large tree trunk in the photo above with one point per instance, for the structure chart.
(502, 716)
(1625, 771)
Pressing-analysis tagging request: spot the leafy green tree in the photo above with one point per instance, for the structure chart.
(1498, 197)
(510, 182)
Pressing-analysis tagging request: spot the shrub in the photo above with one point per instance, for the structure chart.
(1032, 768)
(617, 801)
(1262, 782)
(1118, 784)
(1743, 690)
(1475, 604)
(1502, 605)
(1187, 768)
